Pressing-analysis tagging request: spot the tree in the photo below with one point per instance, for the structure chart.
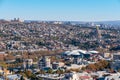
(28, 73)
(50, 71)
(92, 67)
(59, 71)
(101, 65)
(83, 68)
(41, 72)
(33, 77)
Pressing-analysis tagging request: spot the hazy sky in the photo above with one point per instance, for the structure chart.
(78, 10)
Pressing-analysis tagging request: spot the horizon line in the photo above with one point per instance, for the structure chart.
(61, 20)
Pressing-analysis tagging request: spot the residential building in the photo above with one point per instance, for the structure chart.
(44, 62)
(27, 63)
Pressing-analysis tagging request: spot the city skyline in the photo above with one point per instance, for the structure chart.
(60, 10)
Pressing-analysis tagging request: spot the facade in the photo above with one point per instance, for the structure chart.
(98, 33)
(107, 55)
(56, 65)
(71, 76)
(116, 56)
(98, 36)
(44, 62)
(2, 56)
(115, 64)
(27, 64)
(77, 60)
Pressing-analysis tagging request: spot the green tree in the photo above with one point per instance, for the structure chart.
(50, 71)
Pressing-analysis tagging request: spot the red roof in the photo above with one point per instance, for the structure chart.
(84, 77)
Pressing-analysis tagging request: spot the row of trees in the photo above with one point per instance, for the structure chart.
(101, 65)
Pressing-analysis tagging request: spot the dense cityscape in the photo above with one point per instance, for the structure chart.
(59, 50)
(59, 39)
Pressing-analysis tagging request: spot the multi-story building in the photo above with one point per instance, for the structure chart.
(44, 62)
(56, 65)
(115, 64)
(98, 33)
(116, 56)
(27, 64)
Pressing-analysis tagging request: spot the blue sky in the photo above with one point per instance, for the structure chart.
(71, 10)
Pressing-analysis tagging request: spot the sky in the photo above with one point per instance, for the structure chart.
(60, 10)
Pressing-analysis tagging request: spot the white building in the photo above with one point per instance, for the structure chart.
(71, 76)
(14, 77)
(44, 62)
(77, 76)
(51, 76)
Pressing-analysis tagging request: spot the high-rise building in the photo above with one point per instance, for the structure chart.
(44, 62)
(98, 32)
(16, 20)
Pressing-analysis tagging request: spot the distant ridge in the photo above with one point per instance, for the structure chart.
(116, 22)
